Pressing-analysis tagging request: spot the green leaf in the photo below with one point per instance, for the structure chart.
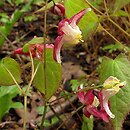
(87, 123)
(6, 29)
(74, 84)
(30, 18)
(120, 13)
(53, 75)
(89, 22)
(18, 2)
(40, 110)
(113, 47)
(6, 96)
(120, 103)
(9, 64)
(37, 40)
(119, 4)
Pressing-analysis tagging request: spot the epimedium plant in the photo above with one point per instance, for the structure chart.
(46, 61)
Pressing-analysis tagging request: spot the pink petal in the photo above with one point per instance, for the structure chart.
(97, 113)
(57, 48)
(89, 97)
(18, 51)
(81, 97)
(60, 25)
(76, 18)
(86, 113)
(36, 50)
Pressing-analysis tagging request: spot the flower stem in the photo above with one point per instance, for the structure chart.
(25, 112)
(44, 67)
(89, 88)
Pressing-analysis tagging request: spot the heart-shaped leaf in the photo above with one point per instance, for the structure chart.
(120, 103)
(8, 67)
(89, 22)
(53, 75)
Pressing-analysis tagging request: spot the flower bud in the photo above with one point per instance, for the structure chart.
(58, 9)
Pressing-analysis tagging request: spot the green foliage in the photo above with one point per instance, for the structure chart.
(119, 4)
(53, 75)
(120, 13)
(40, 110)
(6, 96)
(89, 22)
(96, 3)
(120, 103)
(30, 18)
(4, 18)
(113, 47)
(87, 123)
(16, 2)
(9, 65)
(7, 27)
(74, 84)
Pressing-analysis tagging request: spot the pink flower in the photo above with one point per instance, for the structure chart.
(111, 87)
(58, 9)
(92, 98)
(91, 102)
(68, 32)
(35, 49)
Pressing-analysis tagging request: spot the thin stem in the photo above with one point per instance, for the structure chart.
(54, 2)
(111, 35)
(93, 7)
(118, 27)
(108, 17)
(89, 88)
(45, 85)
(33, 73)
(105, 4)
(58, 116)
(25, 112)
(68, 98)
(29, 85)
(26, 91)
(71, 116)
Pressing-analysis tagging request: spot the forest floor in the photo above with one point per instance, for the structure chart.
(80, 62)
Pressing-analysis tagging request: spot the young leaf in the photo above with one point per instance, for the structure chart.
(37, 40)
(89, 22)
(6, 96)
(120, 103)
(7, 66)
(53, 75)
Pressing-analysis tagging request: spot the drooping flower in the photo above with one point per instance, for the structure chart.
(111, 86)
(35, 49)
(68, 32)
(58, 9)
(91, 102)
